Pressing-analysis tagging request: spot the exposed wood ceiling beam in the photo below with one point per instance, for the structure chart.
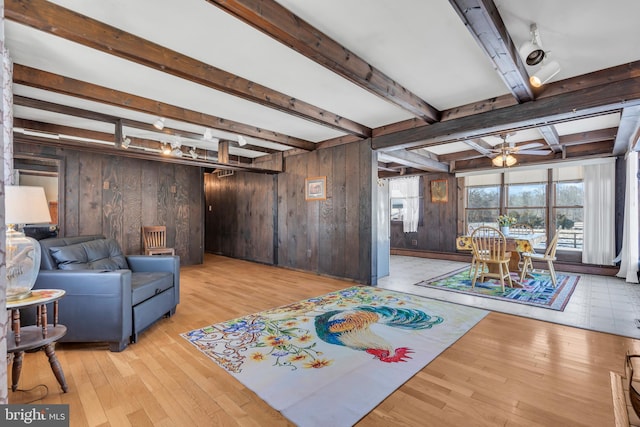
(583, 151)
(600, 135)
(53, 19)
(414, 160)
(551, 137)
(87, 114)
(140, 154)
(480, 145)
(543, 111)
(64, 132)
(482, 19)
(63, 109)
(292, 31)
(629, 121)
(56, 83)
(584, 81)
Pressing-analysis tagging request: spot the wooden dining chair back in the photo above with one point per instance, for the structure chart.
(491, 256)
(549, 256)
(155, 240)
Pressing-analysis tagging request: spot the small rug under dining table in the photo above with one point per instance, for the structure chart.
(536, 290)
(331, 359)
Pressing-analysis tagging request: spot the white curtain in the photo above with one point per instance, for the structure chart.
(629, 255)
(599, 213)
(408, 189)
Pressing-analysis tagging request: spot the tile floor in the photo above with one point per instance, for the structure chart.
(600, 303)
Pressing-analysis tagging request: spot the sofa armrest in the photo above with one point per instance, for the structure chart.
(151, 263)
(96, 305)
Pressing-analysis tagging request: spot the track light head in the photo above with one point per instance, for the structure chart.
(531, 50)
(159, 124)
(165, 148)
(193, 153)
(241, 141)
(545, 73)
(126, 142)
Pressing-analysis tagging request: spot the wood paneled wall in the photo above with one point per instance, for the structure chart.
(438, 229)
(333, 236)
(115, 196)
(239, 215)
(266, 218)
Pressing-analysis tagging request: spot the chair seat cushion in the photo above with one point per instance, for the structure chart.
(99, 254)
(144, 285)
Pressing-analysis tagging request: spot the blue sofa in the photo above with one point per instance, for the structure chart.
(109, 297)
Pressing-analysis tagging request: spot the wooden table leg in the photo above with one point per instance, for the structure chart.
(55, 366)
(16, 367)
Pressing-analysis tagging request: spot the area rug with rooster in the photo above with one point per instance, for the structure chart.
(536, 290)
(329, 360)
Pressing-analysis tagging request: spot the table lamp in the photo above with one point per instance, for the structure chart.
(23, 205)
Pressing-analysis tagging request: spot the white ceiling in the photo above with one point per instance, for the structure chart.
(421, 44)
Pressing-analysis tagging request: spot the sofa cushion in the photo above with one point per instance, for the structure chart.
(100, 254)
(144, 285)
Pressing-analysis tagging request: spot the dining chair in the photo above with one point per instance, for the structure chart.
(155, 240)
(549, 256)
(489, 248)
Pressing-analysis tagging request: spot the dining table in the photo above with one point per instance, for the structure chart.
(516, 244)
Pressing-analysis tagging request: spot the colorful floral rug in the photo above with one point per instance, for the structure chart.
(329, 360)
(538, 290)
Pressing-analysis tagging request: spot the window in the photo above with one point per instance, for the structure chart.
(568, 213)
(483, 205)
(533, 197)
(527, 203)
(405, 203)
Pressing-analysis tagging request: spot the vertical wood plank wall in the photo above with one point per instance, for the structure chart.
(239, 212)
(115, 196)
(332, 237)
(439, 226)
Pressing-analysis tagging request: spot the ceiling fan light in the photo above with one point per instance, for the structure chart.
(545, 73)
(504, 160)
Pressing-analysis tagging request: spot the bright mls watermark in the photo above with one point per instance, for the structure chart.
(34, 415)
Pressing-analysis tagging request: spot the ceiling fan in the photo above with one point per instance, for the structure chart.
(504, 154)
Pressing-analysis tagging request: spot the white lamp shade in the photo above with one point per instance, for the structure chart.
(25, 205)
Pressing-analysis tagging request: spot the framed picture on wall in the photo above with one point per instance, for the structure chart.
(439, 193)
(315, 188)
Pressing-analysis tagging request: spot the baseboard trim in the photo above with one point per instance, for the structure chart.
(569, 267)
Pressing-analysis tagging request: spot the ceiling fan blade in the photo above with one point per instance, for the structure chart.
(536, 152)
(528, 146)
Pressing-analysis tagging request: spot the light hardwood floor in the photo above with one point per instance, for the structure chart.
(507, 370)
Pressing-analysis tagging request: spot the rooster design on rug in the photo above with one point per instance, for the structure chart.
(351, 328)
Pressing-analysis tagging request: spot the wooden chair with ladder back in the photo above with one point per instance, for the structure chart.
(155, 240)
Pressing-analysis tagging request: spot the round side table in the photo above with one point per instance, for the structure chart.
(40, 336)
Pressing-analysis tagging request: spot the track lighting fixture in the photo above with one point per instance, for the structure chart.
(126, 142)
(165, 148)
(532, 50)
(545, 73)
(241, 141)
(194, 154)
(159, 124)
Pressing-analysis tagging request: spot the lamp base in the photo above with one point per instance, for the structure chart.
(24, 293)
(23, 264)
